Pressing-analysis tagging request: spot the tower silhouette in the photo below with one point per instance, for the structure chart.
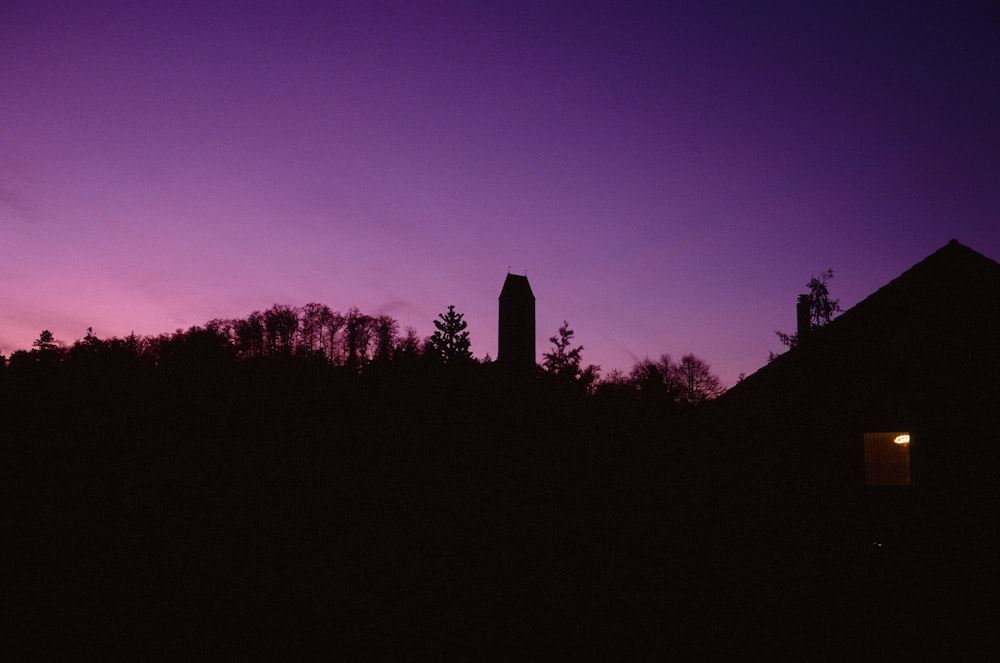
(516, 340)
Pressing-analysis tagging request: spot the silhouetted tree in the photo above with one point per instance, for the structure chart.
(91, 340)
(358, 335)
(564, 363)
(821, 309)
(195, 349)
(47, 350)
(314, 326)
(408, 346)
(450, 343)
(249, 335)
(20, 360)
(563, 359)
(655, 382)
(281, 324)
(615, 377)
(385, 329)
(696, 381)
(46, 342)
(223, 329)
(331, 344)
(122, 354)
(615, 387)
(88, 350)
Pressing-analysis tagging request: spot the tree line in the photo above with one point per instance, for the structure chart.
(359, 343)
(299, 453)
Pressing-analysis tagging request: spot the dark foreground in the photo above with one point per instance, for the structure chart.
(258, 515)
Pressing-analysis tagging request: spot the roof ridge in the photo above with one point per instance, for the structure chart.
(952, 260)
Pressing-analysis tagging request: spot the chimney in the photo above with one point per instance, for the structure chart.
(802, 314)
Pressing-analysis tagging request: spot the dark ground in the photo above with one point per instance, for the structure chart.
(258, 512)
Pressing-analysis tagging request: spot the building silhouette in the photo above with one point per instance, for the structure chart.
(516, 339)
(883, 426)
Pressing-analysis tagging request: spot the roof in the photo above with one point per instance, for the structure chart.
(947, 303)
(516, 287)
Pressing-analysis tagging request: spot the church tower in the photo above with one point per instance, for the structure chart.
(516, 346)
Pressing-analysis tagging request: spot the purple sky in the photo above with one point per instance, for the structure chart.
(669, 175)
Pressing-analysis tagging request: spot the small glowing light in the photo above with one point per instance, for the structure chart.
(902, 439)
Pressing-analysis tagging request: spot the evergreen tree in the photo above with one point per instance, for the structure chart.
(46, 342)
(450, 343)
(46, 349)
(565, 362)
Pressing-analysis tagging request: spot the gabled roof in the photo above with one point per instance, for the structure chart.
(952, 272)
(516, 287)
(948, 302)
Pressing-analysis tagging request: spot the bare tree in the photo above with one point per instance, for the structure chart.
(314, 323)
(249, 335)
(332, 343)
(695, 381)
(385, 330)
(655, 381)
(281, 323)
(408, 346)
(358, 336)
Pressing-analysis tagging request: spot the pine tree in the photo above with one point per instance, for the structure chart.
(46, 342)
(450, 343)
(46, 349)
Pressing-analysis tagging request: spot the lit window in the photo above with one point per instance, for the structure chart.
(887, 459)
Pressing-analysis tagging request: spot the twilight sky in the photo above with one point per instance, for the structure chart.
(668, 174)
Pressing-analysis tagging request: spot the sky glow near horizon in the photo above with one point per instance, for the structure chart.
(668, 175)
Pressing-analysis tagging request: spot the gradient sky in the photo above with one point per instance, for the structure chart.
(668, 174)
